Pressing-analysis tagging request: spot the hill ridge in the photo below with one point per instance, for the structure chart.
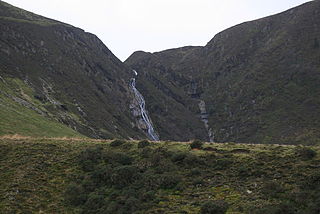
(237, 73)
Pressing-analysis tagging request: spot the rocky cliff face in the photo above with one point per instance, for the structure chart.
(174, 112)
(74, 77)
(260, 81)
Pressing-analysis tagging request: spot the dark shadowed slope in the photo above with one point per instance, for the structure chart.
(260, 80)
(173, 112)
(64, 74)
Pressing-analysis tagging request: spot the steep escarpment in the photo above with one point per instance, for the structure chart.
(65, 75)
(259, 80)
(172, 110)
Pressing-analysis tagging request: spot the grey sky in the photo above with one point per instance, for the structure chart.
(126, 26)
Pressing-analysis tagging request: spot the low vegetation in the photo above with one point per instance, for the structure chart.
(21, 113)
(196, 144)
(90, 176)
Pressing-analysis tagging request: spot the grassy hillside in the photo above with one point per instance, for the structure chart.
(21, 113)
(87, 176)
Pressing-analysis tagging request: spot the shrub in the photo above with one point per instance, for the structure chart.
(101, 174)
(313, 207)
(119, 158)
(88, 184)
(169, 181)
(90, 157)
(192, 160)
(163, 152)
(305, 153)
(147, 196)
(272, 189)
(124, 175)
(161, 157)
(179, 157)
(214, 207)
(275, 209)
(195, 172)
(222, 163)
(198, 181)
(164, 165)
(94, 203)
(143, 144)
(75, 194)
(117, 143)
(155, 159)
(146, 152)
(244, 171)
(149, 181)
(312, 182)
(131, 205)
(196, 144)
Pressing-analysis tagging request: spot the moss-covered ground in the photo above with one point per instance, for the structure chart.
(52, 175)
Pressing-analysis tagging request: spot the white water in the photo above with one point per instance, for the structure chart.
(135, 72)
(205, 119)
(151, 133)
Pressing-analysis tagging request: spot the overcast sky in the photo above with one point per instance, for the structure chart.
(126, 26)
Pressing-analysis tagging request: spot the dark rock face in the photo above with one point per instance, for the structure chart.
(174, 113)
(73, 74)
(260, 81)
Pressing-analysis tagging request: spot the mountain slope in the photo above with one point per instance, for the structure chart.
(19, 116)
(260, 80)
(73, 77)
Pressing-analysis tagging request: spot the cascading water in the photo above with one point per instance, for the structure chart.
(205, 119)
(144, 114)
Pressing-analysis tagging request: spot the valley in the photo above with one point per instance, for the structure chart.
(259, 81)
(229, 127)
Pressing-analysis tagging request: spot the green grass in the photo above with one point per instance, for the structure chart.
(34, 174)
(37, 172)
(15, 118)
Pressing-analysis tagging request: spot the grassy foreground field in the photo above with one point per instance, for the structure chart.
(57, 175)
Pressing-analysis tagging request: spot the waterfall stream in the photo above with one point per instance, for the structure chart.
(144, 114)
(204, 116)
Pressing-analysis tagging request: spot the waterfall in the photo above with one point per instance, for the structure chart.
(204, 116)
(142, 107)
